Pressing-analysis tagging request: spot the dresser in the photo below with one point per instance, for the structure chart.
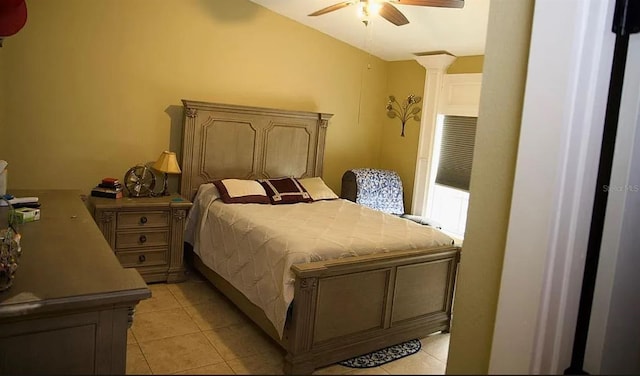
(145, 233)
(71, 302)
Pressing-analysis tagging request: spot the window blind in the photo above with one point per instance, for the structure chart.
(456, 151)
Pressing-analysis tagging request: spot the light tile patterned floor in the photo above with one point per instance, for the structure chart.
(190, 328)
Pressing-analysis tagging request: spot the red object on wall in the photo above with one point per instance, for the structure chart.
(13, 16)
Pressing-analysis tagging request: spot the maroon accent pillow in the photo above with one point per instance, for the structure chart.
(285, 191)
(237, 191)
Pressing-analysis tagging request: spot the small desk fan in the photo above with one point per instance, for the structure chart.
(140, 181)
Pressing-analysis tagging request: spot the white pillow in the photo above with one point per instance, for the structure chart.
(239, 191)
(317, 189)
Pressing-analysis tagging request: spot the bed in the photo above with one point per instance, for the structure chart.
(340, 307)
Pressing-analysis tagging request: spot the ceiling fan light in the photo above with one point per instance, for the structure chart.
(368, 9)
(373, 7)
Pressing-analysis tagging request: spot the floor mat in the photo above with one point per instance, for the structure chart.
(383, 356)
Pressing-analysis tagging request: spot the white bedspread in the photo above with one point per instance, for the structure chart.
(254, 245)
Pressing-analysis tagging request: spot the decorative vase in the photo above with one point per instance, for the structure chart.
(9, 247)
(9, 254)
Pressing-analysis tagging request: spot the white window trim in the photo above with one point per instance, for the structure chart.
(460, 94)
(447, 94)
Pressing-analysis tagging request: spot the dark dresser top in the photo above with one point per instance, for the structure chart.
(66, 262)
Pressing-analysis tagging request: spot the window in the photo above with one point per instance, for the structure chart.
(448, 197)
(456, 151)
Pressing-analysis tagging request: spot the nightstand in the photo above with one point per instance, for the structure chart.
(145, 233)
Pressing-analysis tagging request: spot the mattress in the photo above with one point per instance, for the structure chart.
(253, 246)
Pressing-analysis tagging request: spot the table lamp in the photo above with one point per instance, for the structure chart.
(167, 164)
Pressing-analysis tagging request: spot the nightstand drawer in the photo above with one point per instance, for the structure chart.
(127, 220)
(137, 239)
(147, 257)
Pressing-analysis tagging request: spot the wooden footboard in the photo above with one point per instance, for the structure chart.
(349, 307)
(344, 308)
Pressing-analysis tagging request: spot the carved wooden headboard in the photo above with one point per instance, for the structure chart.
(229, 141)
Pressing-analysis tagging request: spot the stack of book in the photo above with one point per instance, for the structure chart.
(109, 187)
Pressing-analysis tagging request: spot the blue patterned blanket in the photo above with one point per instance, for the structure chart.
(379, 190)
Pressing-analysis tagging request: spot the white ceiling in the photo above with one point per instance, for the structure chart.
(461, 32)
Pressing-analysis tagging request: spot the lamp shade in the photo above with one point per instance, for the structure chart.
(167, 163)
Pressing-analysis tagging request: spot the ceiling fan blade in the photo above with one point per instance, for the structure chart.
(393, 15)
(331, 8)
(433, 3)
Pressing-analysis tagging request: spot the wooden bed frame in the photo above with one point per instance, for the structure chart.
(341, 308)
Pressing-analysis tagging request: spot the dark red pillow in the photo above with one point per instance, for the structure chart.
(285, 191)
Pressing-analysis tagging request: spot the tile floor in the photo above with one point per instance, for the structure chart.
(190, 328)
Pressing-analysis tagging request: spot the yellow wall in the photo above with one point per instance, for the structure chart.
(491, 186)
(97, 84)
(467, 64)
(399, 153)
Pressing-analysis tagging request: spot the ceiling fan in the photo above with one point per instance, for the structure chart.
(386, 10)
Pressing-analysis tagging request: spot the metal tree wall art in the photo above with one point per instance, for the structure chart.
(405, 111)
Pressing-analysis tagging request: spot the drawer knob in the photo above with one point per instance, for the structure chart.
(141, 258)
(143, 238)
(143, 220)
